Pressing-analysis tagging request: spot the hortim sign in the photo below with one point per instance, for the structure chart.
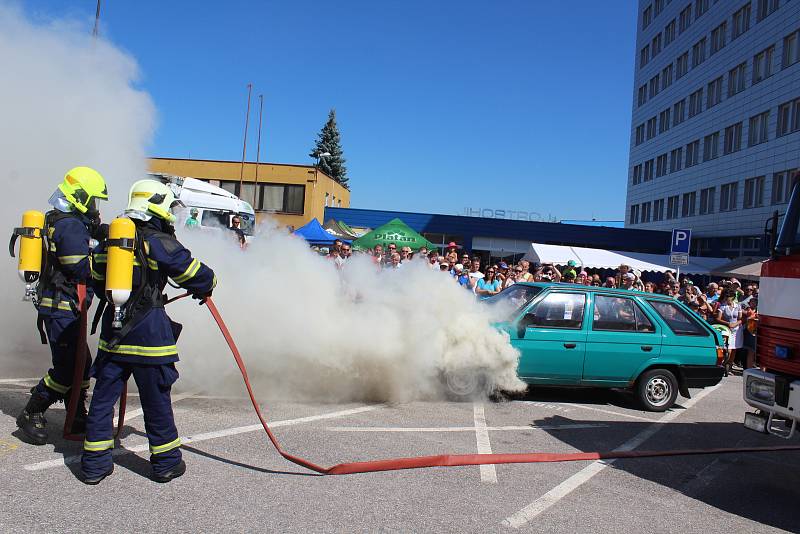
(511, 215)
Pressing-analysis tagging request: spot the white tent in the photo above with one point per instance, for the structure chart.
(608, 259)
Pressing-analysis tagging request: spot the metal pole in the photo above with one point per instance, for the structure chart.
(96, 29)
(244, 143)
(258, 149)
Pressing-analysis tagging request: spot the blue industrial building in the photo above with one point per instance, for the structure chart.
(503, 238)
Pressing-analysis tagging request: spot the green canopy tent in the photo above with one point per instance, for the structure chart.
(395, 231)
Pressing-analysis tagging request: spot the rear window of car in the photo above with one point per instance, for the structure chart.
(678, 320)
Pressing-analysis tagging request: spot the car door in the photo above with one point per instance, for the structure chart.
(552, 339)
(621, 337)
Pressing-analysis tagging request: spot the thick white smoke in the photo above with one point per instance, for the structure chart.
(305, 331)
(67, 101)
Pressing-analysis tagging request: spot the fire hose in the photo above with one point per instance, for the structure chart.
(390, 464)
(453, 460)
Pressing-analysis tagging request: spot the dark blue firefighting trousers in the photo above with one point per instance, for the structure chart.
(154, 383)
(62, 334)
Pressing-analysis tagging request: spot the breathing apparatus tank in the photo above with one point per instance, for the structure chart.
(119, 270)
(30, 250)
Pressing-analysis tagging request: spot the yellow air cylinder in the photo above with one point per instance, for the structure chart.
(30, 246)
(119, 270)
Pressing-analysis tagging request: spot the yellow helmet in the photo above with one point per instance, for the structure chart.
(151, 197)
(81, 186)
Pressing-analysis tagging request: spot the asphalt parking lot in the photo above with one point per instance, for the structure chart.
(237, 482)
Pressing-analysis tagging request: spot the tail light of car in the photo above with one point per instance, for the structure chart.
(720, 355)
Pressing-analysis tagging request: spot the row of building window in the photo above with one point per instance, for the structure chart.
(653, 10)
(674, 207)
(740, 23)
(707, 148)
(736, 78)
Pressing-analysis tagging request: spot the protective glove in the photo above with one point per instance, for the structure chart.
(201, 297)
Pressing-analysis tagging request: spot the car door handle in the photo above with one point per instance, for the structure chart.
(569, 345)
(647, 348)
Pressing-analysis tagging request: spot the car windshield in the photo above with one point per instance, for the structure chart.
(514, 298)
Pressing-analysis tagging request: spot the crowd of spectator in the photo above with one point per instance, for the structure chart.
(727, 303)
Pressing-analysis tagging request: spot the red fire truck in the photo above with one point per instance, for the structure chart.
(774, 387)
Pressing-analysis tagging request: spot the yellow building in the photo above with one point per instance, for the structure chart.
(292, 194)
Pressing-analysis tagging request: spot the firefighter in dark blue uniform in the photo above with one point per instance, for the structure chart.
(144, 346)
(69, 227)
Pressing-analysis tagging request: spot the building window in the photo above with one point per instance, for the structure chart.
(672, 207)
(727, 196)
(732, 245)
(669, 32)
(782, 186)
(281, 198)
(640, 134)
(676, 160)
(718, 37)
(661, 165)
(644, 56)
(655, 46)
(646, 206)
(766, 8)
(648, 170)
(707, 201)
(647, 16)
(754, 192)
(651, 128)
(692, 153)
(658, 210)
(699, 52)
(714, 93)
(679, 112)
(733, 138)
(789, 117)
(655, 85)
(741, 21)
(762, 64)
(696, 103)
(689, 200)
(758, 129)
(736, 79)
(700, 7)
(711, 146)
(634, 217)
(682, 65)
(791, 49)
(642, 98)
(666, 77)
(663, 120)
(637, 174)
(685, 19)
(751, 244)
(659, 6)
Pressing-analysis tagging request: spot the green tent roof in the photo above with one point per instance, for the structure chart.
(395, 231)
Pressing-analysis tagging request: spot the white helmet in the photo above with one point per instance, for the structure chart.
(151, 197)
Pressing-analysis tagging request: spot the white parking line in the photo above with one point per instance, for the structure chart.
(15, 380)
(553, 496)
(488, 472)
(567, 405)
(48, 464)
(462, 428)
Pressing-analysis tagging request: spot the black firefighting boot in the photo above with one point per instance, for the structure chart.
(79, 423)
(31, 421)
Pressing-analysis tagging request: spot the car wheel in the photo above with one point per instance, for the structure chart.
(657, 390)
(464, 384)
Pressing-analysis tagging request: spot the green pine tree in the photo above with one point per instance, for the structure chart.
(329, 140)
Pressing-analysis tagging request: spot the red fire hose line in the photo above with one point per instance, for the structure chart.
(451, 460)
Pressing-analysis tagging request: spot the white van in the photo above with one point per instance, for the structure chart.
(216, 206)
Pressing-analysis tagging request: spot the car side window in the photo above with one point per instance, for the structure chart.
(619, 314)
(678, 320)
(559, 310)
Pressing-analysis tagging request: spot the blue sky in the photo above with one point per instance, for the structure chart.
(512, 104)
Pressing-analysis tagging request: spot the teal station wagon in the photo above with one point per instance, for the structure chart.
(575, 335)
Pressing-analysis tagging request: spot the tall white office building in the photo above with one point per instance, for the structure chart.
(715, 135)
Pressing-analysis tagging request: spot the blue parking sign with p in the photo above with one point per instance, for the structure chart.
(681, 241)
